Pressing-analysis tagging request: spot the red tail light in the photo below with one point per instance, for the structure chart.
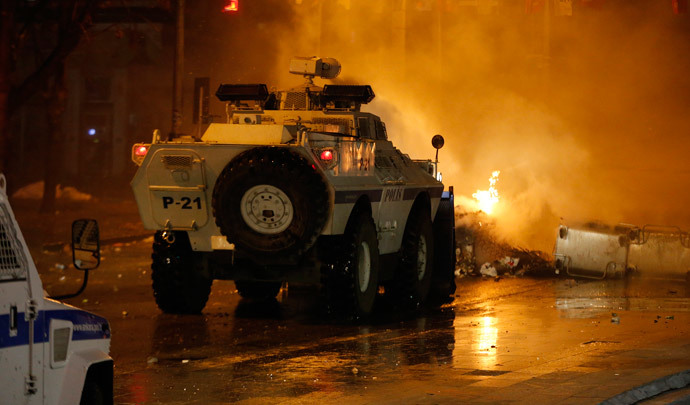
(326, 155)
(139, 151)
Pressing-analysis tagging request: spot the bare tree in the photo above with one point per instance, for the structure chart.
(68, 22)
(7, 8)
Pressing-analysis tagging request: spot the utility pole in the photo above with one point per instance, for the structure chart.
(178, 69)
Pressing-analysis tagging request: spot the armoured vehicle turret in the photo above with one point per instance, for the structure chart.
(296, 186)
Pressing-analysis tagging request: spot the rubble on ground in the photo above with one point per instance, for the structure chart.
(480, 252)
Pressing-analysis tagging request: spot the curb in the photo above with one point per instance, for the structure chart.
(651, 389)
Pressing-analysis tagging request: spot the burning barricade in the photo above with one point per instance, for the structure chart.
(590, 250)
(595, 250)
(480, 251)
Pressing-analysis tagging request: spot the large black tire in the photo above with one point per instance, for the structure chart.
(92, 394)
(350, 272)
(270, 202)
(181, 283)
(443, 277)
(257, 290)
(412, 279)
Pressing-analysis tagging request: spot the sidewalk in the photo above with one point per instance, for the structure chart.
(118, 220)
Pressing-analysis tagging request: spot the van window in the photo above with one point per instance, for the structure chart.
(12, 266)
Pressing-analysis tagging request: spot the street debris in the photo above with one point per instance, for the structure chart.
(479, 252)
(510, 262)
(592, 250)
(667, 318)
(590, 342)
(615, 319)
(488, 270)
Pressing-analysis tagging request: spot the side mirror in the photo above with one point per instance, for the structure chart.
(437, 141)
(86, 247)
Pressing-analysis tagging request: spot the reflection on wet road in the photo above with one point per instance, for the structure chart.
(515, 340)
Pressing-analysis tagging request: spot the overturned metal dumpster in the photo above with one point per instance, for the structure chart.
(595, 250)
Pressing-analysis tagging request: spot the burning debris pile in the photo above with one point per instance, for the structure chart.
(479, 249)
(480, 252)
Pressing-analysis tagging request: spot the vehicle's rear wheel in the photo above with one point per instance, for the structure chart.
(270, 202)
(181, 283)
(413, 276)
(443, 277)
(257, 290)
(350, 273)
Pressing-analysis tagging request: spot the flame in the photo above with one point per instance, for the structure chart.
(487, 199)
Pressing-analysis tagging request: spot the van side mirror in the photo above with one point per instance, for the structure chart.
(86, 247)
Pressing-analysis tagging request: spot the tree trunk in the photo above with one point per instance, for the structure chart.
(57, 97)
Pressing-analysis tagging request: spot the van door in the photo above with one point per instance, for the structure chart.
(18, 372)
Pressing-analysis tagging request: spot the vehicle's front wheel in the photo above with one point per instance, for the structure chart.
(92, 394)
(443, 279)
(350, 273)
(413, 276)
(181, 283)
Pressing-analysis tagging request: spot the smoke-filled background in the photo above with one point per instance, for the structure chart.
(585, 115)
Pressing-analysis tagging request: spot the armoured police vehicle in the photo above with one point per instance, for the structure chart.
(298, 186)
(50, 352)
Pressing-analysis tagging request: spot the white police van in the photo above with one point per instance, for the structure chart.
(50, 352)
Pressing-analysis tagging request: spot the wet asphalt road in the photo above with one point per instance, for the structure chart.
(515, 340)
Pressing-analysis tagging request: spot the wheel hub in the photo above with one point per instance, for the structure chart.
(266, 209)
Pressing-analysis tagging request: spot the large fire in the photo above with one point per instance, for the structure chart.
(487, 199)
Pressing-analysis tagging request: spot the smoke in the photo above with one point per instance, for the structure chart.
(594, 131)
